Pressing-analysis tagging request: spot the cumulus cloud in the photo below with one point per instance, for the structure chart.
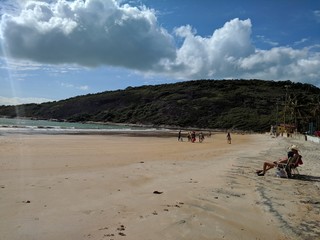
(282, 63)
(105, 32)
(89, 33)
(214, 56)
(230, 53)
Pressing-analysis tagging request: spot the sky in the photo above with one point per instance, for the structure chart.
(57, 49)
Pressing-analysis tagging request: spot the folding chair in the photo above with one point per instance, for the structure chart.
(290, 168)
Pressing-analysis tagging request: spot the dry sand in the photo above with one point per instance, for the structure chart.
(128, 187)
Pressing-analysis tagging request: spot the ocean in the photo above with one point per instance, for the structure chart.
(37, 126)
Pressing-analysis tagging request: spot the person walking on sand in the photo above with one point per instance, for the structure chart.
(229, 138)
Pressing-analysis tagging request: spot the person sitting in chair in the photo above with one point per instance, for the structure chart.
(293, 155)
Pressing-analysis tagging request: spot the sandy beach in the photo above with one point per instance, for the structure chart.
(148, 187)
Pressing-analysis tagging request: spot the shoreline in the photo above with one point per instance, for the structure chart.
(156, 132)
(133, 187)
(136, 127)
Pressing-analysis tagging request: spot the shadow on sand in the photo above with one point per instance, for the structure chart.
(308, 178)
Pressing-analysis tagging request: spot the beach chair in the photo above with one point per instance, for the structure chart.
(290, 169)
(294, 166)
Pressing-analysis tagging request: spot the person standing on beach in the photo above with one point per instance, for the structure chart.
(229, 138)
(193, 136)
(179, 136)
(189, 136)
(201, 137)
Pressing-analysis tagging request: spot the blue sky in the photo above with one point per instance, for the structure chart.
(53, 50)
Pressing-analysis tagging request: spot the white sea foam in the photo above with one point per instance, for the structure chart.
(27, 126)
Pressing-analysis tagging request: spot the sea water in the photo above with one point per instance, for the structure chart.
(28, 125)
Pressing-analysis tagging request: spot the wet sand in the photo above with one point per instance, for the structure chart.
(147, 187)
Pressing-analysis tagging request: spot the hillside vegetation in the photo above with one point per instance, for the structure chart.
(224, 104)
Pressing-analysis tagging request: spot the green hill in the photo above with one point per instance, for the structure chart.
(239, 104)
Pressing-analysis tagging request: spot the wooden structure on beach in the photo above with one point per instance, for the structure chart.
(287, 129)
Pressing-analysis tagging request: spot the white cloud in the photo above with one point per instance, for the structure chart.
(267, 40)
(14, 65)
(214, 56)
(229, 53)
(104, 32)
(68, 85)
(19, 100)
(84, 87)
(316, 14)
(21, 69)
(303, 40)
(282, 63)
(88, 33)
